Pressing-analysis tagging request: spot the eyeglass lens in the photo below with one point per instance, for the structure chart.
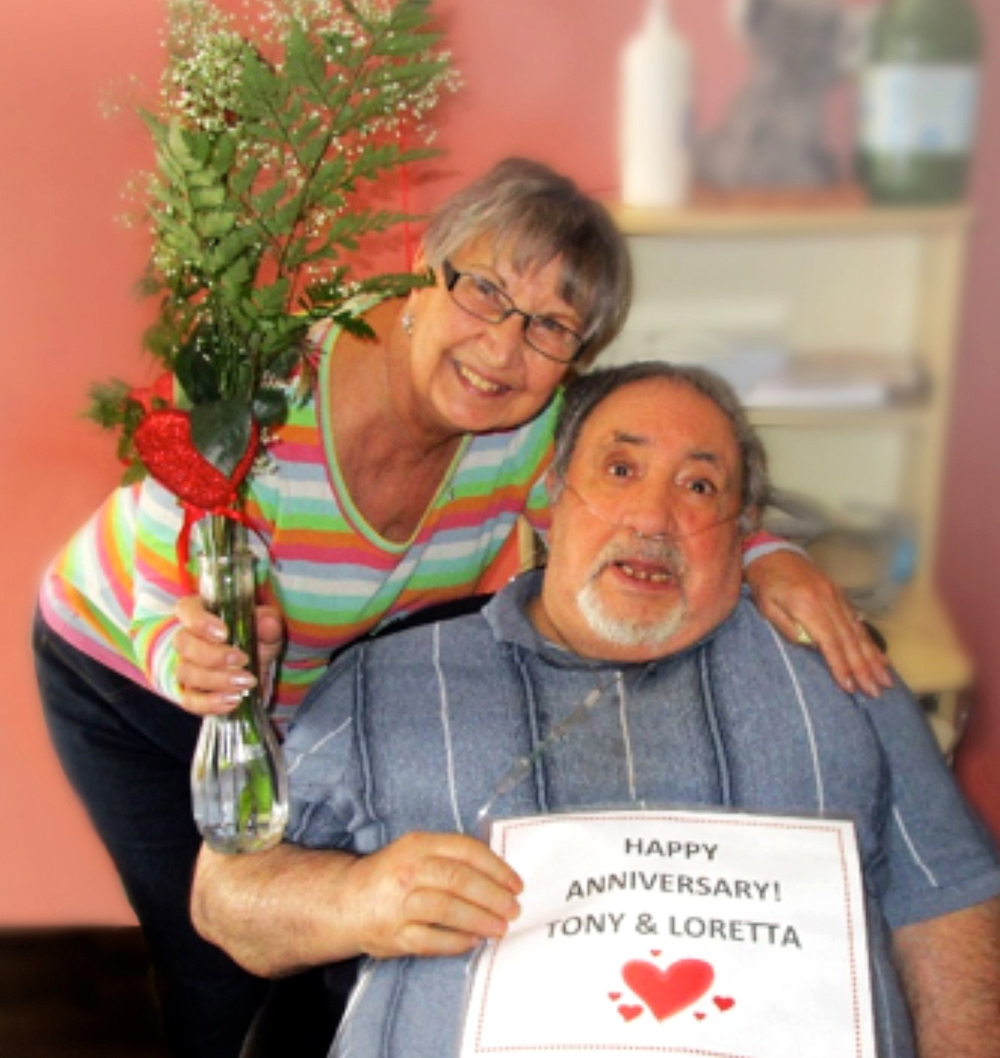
(481, 298)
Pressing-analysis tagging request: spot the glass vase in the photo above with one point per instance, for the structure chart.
(239, 788)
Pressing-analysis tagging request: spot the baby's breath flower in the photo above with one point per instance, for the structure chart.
(269, 119)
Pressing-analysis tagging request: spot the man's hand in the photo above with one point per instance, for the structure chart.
(289, 908)
(951, 972)
(806, 606)
(431, 894)
(212, 673)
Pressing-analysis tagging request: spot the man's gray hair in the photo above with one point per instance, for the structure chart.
(534, 214)
(585, 393)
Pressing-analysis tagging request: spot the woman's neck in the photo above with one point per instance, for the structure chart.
(390, 463)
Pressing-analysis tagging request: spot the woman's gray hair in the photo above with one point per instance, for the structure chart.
(585, 393)
(534, 214)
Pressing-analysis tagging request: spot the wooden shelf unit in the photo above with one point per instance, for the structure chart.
(877, 281)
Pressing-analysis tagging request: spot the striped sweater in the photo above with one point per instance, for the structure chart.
(112, 590)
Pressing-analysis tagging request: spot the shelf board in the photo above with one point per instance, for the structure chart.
(908, 416)
(923, 645)
(835, 220)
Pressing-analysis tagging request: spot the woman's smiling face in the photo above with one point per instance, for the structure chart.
(472, 376)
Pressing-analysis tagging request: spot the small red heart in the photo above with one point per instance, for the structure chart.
(629, 1012)
(614, 996)
(163, 441)
(699, 1015)
(668, 991)
(723, 1002)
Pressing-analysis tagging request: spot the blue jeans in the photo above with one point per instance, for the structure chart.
(127, 753)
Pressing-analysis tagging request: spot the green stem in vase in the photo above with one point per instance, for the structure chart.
(237, 778)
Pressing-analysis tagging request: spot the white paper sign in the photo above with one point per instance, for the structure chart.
(721, 935)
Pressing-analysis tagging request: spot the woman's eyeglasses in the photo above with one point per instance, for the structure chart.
(486, 301)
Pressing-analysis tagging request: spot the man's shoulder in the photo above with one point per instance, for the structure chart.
(744, 631)
(748, 638)
(749, 648)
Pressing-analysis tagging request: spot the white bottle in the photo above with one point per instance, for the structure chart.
(655, 116)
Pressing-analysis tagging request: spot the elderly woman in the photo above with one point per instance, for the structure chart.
(394, 488)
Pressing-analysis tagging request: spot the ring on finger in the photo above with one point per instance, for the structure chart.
(802, 636)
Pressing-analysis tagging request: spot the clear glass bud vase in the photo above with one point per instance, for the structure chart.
(238, 784)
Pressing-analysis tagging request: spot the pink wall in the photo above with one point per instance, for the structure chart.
(539, 79)
(968, 568)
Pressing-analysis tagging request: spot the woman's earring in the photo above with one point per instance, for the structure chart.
(407, 321)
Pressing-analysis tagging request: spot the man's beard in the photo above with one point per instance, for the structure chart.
(626, 632)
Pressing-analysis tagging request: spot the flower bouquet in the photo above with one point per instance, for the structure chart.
(264, 135)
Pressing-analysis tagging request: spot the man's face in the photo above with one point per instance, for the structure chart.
(644, 554)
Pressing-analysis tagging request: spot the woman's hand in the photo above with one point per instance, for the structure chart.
(212, 672)
(807, 607)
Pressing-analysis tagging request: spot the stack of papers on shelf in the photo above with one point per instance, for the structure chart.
(839, 380)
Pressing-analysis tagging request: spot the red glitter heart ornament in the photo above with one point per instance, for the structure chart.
(668, 991)
(163, 441)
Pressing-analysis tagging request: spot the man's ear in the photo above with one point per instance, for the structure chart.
(748, 522)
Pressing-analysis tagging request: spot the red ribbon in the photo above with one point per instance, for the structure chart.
(162, 389)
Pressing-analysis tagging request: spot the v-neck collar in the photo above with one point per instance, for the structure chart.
(335, 475)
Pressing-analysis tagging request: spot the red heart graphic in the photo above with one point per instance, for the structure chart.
(667, 991)
(723, 1002)
(629, 1012)
(614, 996)
(163, 441)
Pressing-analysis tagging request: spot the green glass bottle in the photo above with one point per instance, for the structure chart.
(918, 98)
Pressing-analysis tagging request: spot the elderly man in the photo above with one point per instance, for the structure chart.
(657, 475)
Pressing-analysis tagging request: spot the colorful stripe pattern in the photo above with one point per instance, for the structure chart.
(113, 589)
